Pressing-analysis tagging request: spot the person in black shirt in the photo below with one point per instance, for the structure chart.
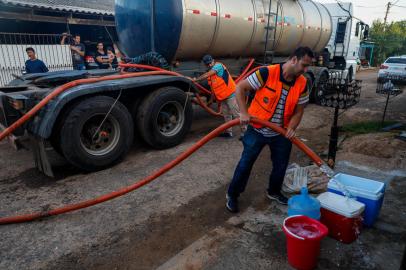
(78, 51)
(34, 65)
(102, 59)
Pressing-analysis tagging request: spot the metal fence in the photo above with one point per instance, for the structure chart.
(47, 48)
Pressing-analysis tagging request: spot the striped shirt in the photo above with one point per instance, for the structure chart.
(257, 80)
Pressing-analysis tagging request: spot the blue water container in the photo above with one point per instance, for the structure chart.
(304, 204)
(364, 190)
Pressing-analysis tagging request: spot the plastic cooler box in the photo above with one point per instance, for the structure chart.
(366, 191)
(342, 216)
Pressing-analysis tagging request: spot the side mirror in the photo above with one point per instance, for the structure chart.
(357, 29)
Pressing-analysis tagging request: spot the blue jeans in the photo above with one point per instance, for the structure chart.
(79, 67)
(254, 142)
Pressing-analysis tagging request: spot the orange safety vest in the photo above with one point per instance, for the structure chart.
(266, 99)
(221, 89)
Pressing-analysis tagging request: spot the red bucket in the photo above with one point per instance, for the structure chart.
(303, 236)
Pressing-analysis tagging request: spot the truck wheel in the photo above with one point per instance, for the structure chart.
(164, 117)
(90, 140)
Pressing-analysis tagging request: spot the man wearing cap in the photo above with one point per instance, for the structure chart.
(280, 98)
(223, 89)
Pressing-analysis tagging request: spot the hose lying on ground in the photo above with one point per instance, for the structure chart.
(156, 174)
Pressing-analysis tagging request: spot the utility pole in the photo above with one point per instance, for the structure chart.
(384, 26)
(386, 15)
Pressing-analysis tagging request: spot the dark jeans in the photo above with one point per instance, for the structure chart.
(253, 142)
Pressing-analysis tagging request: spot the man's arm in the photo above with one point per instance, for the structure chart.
(63, 39)
(27, 67)
(80, 52)
(295, 120)
(205, 75)
(99, 59)
(242, 89)
(298, 113)
(44, 67)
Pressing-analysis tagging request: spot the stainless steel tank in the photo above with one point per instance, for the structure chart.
(188, 29)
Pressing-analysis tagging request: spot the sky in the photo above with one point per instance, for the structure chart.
(369, 10)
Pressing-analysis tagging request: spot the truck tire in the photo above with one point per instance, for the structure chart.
(164, 117)
(91, 151)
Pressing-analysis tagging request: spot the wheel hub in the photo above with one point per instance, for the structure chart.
(170, 118)
(100, 140)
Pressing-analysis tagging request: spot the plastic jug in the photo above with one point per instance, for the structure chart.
(304, 204)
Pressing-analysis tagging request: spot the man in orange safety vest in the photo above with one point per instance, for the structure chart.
(222, 86)
(280, 97)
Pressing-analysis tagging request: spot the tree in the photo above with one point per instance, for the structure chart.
(390, 41)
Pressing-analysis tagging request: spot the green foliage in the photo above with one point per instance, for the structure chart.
(390, 41)
(366, 127)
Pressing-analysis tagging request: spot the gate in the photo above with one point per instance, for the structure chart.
(47, 48)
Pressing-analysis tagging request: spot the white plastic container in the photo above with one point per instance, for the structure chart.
(342, 216)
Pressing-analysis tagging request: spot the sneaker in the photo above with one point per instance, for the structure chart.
(226, 135)
(232, 204)
(278, 197)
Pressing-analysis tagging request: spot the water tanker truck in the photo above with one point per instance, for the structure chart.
(92, 125)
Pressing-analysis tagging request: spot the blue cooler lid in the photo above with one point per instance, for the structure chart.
(358, 186)
(341, 205)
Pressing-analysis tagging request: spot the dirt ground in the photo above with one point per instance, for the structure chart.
(179, 221)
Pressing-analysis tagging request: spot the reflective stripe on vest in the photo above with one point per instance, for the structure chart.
(220, 88)
(266, 99)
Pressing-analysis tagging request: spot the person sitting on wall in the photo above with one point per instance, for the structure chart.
(34, 65)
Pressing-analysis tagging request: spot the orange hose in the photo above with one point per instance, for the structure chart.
(250, 72)
(207, 108)
(141, 66)
(245, 70)
(156, 174)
